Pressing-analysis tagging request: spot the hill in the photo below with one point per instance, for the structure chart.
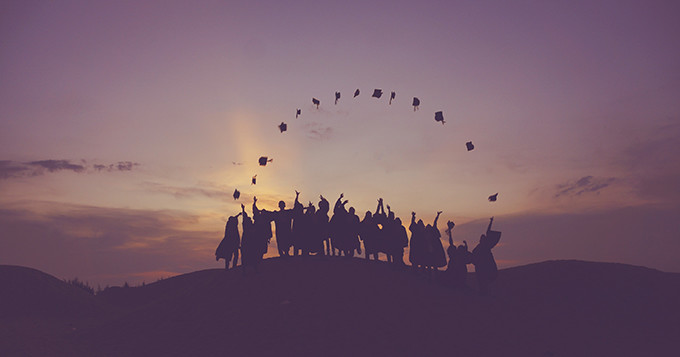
(339, 307)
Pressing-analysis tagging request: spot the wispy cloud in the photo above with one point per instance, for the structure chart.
(120, 166)
(187, 192)
(586, 184)
(318, 131)
(14, 169)
(65, 240)
(56, 165)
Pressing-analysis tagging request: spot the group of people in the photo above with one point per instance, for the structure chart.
(308, 230)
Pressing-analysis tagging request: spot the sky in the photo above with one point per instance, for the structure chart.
(126, 126)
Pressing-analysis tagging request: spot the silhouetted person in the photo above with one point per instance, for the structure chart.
(251, 247)
(310, 241)
(398, 239)
(283, 224)
(263, 227)
(485, 264)
(459, 258)
(353, 226)
(298, 229)
(380, 219)
(338, 227)
(368, 232)
(323, 237)
(435, 256)
(417, 244)
(230, 244)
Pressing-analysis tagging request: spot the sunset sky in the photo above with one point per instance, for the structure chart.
(125, 126)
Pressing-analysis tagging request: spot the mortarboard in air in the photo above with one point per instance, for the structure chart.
(316, 102)
(493, 197)
(439, 116)
(237, 194)
(392, 95)
(416, 103)
(264, 160)
(297, 113)
(469, 146)
(254, 180)
(356, 93)
(377, 93)
(337, 96)
(283, 127)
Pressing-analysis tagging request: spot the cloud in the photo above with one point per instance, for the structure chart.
(644, 235)
(57, 165)
(187, 192)
(106, 245)
(9, 169)
(586, 184)
(13, 169)
(120, 166)
(318, 131)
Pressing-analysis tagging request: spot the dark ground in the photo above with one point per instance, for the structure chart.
(343, 307)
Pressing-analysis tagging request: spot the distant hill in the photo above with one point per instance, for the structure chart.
(343, 307)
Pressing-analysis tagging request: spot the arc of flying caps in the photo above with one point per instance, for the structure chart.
(469, 146)
(416, 103)
(297, 113)
(439, 116)
(392, 95)
(377, 93)
(356, 93)
(316, 102)
(337, 96)
(254, 180)
(237, 194)
(283, 127)
(493, 197)
(264, 160)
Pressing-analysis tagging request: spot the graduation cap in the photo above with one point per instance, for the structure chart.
(377, 93)
(283, 127)
(297, 113)
(493, 197)
(439, 116)
(469, 146)
(337, 96)
(416, 103)
(264, 160)
(392, 95)
(254, 180)
(356, 93)
(237, 194)
(316, 102)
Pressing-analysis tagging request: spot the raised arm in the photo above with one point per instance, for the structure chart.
(413, 218)
(489, 227)
(450, 226)
(436, 219)
(243, 210)
(338, 203)
(255, 210)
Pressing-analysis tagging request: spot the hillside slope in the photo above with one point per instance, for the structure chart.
(339, 307)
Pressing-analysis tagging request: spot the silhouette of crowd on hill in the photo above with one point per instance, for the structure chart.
(308, 230)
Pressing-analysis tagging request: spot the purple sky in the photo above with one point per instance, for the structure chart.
(120, 122)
